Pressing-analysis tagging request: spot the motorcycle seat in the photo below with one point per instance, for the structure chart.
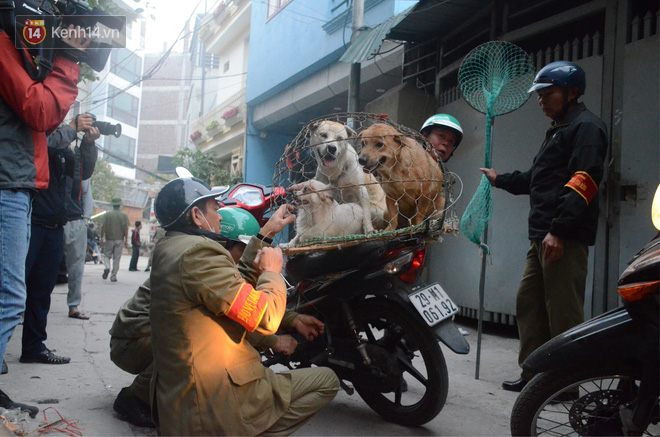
(364, 255)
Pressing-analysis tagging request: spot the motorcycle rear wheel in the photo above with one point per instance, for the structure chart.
(597, 391)
(423, 381)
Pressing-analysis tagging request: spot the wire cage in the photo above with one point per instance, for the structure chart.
(356, 177)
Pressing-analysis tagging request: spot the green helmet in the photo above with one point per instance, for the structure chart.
(238, 224)
(445, 120)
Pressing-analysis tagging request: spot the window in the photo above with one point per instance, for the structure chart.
(225, 67)
(274, 6)
(123, 106)
(125, 64)
(120, 151)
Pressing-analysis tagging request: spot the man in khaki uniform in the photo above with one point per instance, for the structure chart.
(130, 342)
(208, 379)
(115, 232)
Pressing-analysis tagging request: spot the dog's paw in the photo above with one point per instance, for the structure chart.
(284, 246)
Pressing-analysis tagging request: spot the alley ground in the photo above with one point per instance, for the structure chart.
(83, 391)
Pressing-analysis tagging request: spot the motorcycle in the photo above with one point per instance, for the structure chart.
(91, 254)
(382, 325)
(601, 377)
(256, 199)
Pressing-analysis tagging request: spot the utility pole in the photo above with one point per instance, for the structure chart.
(354, 76)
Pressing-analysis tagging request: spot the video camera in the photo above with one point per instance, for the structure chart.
(39, 25)
(106, 128)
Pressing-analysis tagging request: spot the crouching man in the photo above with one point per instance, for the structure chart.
(208, 379)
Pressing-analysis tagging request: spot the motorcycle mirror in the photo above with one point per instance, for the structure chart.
(183, 172)
(655, 209)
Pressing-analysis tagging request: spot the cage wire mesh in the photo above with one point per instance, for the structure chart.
(494, 79)
(355, 177)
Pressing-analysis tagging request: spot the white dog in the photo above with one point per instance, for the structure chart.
(338, 167)
(319, 214)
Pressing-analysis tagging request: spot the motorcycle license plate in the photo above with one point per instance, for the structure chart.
(433, 304)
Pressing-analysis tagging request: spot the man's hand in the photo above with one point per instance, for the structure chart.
(92, 135)
(308, 326)
(278, 221)
(285, 344)
(77, 37)
(553, 248)
(490, 175)
(269, 259)
(82, 122)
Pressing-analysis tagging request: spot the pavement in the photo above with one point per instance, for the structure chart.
(83, 391)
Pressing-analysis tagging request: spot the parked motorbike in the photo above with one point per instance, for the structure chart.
(91, 254)
(601, 377)
(382, 325)
(254, 198)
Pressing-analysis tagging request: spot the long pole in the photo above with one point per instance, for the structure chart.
(354, 75)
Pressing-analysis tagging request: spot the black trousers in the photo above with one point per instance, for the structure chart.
(41, 267)
(134, 258)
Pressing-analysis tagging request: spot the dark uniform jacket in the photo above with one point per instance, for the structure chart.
(560, 194)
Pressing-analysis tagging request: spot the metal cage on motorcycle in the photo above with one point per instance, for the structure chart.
(338, 160)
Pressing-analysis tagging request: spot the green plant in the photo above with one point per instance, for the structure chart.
(212, 125)
(104, 182)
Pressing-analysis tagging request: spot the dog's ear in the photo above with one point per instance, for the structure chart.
(397, 139)
(351, 133)
(314, 126)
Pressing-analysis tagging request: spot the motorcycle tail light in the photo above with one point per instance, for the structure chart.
(417, 262)
(637, 291)
(399, 264)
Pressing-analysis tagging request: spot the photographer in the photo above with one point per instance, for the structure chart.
(75, 231)
(28, 109)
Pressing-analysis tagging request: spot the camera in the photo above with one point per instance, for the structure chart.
(106, 128)
(41, 25)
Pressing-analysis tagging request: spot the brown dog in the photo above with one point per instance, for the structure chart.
(411, 179)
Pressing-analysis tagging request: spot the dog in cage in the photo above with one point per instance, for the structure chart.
(337, 166)
(411, 179)
(320, 215)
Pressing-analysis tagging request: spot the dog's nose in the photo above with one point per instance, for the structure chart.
(362, 161)
(332, 149)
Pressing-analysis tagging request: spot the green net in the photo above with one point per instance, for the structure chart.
(494, 79)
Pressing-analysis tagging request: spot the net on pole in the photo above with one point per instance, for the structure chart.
(494, 79)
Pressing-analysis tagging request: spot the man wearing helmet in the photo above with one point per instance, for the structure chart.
(562, 185)
(444, 133)
(208, 379)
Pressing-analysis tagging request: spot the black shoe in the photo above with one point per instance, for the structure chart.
(516, 385)
(147, 269)
(45, 357)
(113, 279)
(5, 368)
(132, 270)
(132, 409)
(106, 272)
(8, 404)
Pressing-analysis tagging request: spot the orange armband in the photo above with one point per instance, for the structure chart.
(248, 307)
(584, 185)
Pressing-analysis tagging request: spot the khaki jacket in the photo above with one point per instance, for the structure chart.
(208, 380)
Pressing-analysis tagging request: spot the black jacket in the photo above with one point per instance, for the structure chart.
(576, 144)
(48, 207)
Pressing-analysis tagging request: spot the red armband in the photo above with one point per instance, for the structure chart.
(248, 307)
(582, 183)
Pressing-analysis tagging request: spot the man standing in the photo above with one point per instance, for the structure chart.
(135, 242)
(208, 379)
(28, 109)
(115, 232)
(160, 233)
(562, 185)
(75, 230)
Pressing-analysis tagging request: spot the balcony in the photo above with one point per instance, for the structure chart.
(220, 20)
(220, 130)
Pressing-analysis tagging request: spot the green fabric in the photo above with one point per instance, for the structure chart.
(115, 225)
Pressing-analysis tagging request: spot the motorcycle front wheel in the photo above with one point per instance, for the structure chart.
(576, 401)
(413, 383)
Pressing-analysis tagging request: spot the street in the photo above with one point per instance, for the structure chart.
(84, 390)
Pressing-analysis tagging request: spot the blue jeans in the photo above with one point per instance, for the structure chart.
(15, 213)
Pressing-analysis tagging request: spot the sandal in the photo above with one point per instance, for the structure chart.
(78, 315)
